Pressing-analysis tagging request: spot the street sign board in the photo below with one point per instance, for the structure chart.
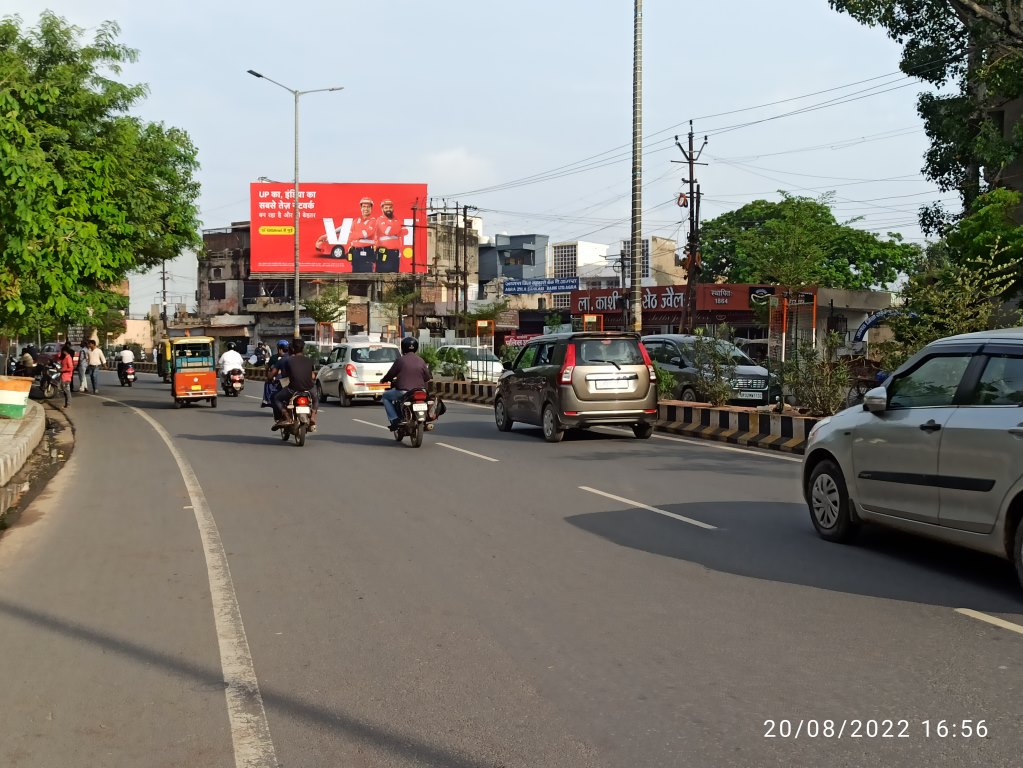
(541, 285)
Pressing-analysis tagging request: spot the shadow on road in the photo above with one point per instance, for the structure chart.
(775, 541)
(403, 745)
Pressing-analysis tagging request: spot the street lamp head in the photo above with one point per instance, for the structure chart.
(253, 72)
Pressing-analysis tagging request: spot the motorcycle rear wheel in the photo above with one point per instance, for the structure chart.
(300, 435)
(49, 390)
(417, 434)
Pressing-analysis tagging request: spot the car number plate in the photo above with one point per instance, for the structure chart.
(301, 409)
(236, 385)
(196, 387)
(418, 407)
(611, 384)
(751, 395)
(379, 386)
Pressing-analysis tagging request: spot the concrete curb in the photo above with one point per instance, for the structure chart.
(17, 444)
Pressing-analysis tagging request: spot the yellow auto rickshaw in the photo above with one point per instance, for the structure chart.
(163, 356)
(193, 370)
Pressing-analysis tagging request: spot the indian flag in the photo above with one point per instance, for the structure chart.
(14, 396)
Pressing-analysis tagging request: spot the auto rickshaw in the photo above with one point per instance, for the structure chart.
(193, 370)
(163, 356)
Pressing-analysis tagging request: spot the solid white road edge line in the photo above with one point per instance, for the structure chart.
(462, 450)
(370, 424)
(990, 620)
(640, 505)
(250, 731)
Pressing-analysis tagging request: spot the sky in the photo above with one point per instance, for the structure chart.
(524, 109)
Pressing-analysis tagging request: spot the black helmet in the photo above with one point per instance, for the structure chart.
(409, 344)
(232, 346)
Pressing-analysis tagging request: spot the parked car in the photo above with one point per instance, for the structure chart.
(352, 371)
(481, 364)
(751, 383)
(935, 451)
(568, 380)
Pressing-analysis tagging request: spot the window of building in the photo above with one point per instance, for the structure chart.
(218, 290)
(216, 273)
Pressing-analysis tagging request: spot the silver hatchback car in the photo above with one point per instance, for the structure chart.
(936, 451)
(579, 380)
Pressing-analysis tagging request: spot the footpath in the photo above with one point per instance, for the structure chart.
(18, 439)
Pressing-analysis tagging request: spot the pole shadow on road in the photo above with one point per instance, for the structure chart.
(775, 541)
(404, 745)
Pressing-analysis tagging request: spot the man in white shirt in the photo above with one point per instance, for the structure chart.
(96, 360)
(125, 357)
(231, 359)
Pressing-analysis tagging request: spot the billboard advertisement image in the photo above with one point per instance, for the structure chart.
(343, 228)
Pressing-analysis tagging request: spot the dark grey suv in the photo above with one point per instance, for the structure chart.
(676, 353)
(583, 379)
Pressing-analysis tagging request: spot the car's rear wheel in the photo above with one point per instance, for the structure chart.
(552, 431)
(342, 397)
(501, 416)
(828, 499)
(1018, 552)
(319, 393)
(643, 431)
(688, 394)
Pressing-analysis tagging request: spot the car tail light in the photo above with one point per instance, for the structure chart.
(571, 413)
(419, 397)
(350, 370)
(650, 410)
(649, 363)
(569, 365)
(302, 400)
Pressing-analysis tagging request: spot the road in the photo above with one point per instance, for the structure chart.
(190, 591)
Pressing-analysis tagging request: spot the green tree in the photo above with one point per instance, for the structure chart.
(328, 306)
(398, 298)
(90, 191)
(977, 49)
(797, 242)
(989, 230)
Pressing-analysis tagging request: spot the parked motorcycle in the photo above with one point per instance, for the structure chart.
(299, 411)
(233, 382)
(418, 410)
(49, 380)
(126, 374)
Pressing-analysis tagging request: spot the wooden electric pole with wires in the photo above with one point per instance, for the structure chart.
(692, 259)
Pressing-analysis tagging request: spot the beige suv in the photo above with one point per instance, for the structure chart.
(579, 380)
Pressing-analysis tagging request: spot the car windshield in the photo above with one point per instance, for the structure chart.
(480, 355)
(619, 351)
(733, 354)
(374, 355)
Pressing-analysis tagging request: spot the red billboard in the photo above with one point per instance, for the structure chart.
(343, 228)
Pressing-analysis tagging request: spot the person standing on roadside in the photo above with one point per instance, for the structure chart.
(97, 360)
(83, 367)
(67, 372)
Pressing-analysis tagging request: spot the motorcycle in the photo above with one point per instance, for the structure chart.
(126, 374)
(49, 380)
(300, 409)
(233, 382)
(418, 410)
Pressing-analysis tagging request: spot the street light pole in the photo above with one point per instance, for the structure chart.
(294, 203)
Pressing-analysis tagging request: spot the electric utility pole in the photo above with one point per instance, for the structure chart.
(692, 260)
(636, 285)
(465, 256)
(163, 295)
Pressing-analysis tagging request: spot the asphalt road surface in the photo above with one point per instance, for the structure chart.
(191, 591)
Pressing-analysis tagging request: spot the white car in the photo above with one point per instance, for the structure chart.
(481, 364)
(934, 452)
(353, 371)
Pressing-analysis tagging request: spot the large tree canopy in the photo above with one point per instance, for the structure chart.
(978, 48)
(797, 242)
(90, 192)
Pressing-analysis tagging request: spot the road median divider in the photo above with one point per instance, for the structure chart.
(738, 426)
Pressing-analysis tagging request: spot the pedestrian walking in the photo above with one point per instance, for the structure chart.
(97, 360)
(67, 372)
(83, 366)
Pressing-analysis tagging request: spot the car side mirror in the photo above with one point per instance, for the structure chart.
(876, 400)
(676, 361)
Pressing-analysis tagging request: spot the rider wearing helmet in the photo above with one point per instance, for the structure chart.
(272, 384)
(409, 371)
(231, 359)
(301, 378)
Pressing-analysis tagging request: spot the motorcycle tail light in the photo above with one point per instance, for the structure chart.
(302, 401)
(419, 397)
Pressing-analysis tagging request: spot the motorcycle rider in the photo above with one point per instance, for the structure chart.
(124, 358)
(271, 385)
(409, 371)
(301, 378)
(230, 360)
